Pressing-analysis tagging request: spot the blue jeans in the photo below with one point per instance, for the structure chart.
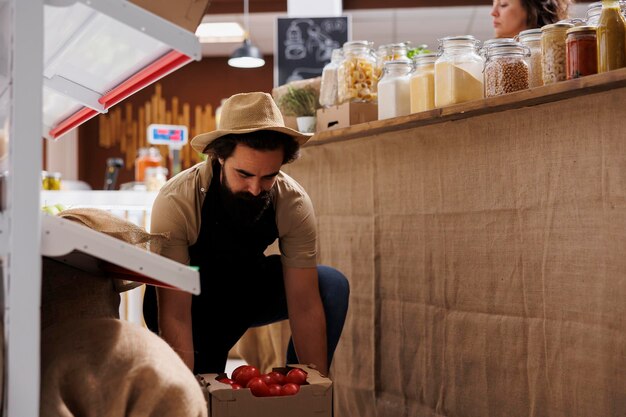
(334, 292)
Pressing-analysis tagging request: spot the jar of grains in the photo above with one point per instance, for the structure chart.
(328, 85)
(531, 39)
(458, 71)
(611, 33)
(422, 83)
(393, 89)
(582, 52)
(356, 75)
(506, 69)
(553, 52)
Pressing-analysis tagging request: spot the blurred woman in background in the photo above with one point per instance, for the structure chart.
(510, 17)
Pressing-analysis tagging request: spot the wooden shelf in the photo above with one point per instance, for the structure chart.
(533, 97)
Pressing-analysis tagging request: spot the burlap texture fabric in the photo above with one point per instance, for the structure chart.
(111, 225)
(486, 262)
(112, 368)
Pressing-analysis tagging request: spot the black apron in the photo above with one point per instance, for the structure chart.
(239, 285)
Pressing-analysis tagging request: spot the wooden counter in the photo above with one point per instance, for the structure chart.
(484, 244)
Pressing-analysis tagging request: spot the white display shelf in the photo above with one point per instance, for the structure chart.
(70, 242)
(106, 200)
(98, 52)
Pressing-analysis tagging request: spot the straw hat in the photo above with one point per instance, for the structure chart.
(245, 113)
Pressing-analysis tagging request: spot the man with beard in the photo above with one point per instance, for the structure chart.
(221, 216)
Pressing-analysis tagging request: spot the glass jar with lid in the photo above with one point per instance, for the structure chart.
(506, 69)
(148, 157)
(582, 52)
(553, 52)
(531, 39)
(593, 13)
(458, 71)
(497, 41)
(393, 89)
(328, 86)
(390, 52)
(422, 83)
(611, 34)
(357, 79)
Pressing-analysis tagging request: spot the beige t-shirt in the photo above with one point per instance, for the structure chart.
(178, 207)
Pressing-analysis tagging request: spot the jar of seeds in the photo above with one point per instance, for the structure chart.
(553, 52)
(506, 69)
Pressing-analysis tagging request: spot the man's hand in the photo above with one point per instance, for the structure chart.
(306, 316)
(175, 322)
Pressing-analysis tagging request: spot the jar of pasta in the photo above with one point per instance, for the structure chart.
(506, 69)
(357, 79)
(582, 52)
(458, 71)
(531, 39)
(422, 83)
(553, 52)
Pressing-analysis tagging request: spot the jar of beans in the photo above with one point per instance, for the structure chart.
(506, 69)
(582, 52)
(553, 52)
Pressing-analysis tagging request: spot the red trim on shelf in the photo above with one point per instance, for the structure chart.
(78, 118)
(153, 72)
(146, 76)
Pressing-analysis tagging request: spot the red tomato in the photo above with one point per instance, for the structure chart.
(296, 376)
(226, 381)
(258, 387)
(277, 377)
(245, 374)
(275, 390)
(236, 386)
(289, 389)
(267, 379)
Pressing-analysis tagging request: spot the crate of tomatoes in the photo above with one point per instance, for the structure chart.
(296, 390)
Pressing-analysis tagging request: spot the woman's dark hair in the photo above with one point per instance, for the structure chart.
(545, 12)
(261, 140)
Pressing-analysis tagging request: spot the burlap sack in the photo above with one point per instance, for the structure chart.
(112, 368)
(109, 224)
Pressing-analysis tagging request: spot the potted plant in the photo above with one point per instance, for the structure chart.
(302, 104)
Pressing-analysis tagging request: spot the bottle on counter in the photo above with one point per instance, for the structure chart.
(506, 69)
(422, 83)
(356, 75)
(531, 39)
(393, 89)
(148, 157)
(611, 34)
(458, 71)
(328, 86)
(582, 52)
(553, 52)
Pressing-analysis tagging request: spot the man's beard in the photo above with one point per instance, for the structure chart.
(243, 207)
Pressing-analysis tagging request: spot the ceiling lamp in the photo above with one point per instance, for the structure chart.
(247, 55)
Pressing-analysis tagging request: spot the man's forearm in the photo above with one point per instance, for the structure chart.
(181, 341)
(308, 328)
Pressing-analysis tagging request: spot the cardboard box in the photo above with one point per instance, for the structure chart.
(185, 13)
(345, 115)
(314, 399)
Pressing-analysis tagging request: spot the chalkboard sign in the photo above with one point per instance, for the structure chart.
(304, 46)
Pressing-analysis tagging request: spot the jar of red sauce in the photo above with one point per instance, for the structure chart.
(582, 52)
